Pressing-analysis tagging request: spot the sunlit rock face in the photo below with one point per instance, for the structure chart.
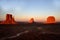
(9, 19)
(31, 20)
(51, 19)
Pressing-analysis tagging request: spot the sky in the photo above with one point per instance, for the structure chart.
(23, 10)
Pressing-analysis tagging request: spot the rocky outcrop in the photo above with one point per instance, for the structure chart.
(31, 20)
(9, 19)
(50, 19)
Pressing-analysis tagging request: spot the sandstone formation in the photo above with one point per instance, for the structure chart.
(9, 19)
(51, 19)
(31, 20)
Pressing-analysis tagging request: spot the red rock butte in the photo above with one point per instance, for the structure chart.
(51, 19)
(9, 19)
(31, 20)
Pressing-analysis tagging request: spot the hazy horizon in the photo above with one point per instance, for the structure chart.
(23, 10)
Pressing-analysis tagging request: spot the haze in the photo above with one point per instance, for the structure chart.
(23, 10)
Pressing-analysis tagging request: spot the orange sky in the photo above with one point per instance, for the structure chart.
(36, 18)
